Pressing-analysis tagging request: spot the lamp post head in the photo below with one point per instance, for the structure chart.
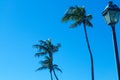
(111, 13)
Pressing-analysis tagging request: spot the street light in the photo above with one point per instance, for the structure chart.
(111, 15)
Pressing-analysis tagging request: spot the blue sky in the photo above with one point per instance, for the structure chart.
(24, 22)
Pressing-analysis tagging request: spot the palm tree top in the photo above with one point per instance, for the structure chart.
(78, 15)
(46, 47)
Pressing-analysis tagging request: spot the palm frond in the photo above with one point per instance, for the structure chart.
(68, 17)
(44, 48)
(88, 23)
(47, 61)
(41, 68)
(80, 10)
(89, 17)
(42, 42)
(70, 10)
(41, 47)
(55, 66)
(58, 69)
(38, 54)
(75, 24)
(36, 45)
(73, 13)
(47, 58)
(44, 62)
(55, 47)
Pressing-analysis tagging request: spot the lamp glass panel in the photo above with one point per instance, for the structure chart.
(107, 18)
(114, 16)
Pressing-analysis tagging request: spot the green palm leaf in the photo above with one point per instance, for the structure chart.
(47, 61)
(43, 42)
(41, 68)
(89, 17)
(75, 24)
(45, 64)
(55, 66)
(38, 54)
(87, 22)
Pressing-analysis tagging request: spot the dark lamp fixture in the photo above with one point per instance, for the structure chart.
(111, 13)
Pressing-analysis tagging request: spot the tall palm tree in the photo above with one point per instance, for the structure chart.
(78, 15)
(47, 48)
(48, 64)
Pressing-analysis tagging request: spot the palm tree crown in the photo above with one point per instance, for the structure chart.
(77, 14)
(46, 47)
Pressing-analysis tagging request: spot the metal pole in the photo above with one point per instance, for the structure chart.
(116, 50)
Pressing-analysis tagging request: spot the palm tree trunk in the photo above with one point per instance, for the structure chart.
(91, 57)
(51, 75)
(51, 56)
(55, 74)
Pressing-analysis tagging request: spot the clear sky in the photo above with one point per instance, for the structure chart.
(24, 22)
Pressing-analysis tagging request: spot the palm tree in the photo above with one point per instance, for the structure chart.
(48, 64)
(78, 15)
(47, 48)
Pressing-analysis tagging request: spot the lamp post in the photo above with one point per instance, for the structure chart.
(111, 14)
